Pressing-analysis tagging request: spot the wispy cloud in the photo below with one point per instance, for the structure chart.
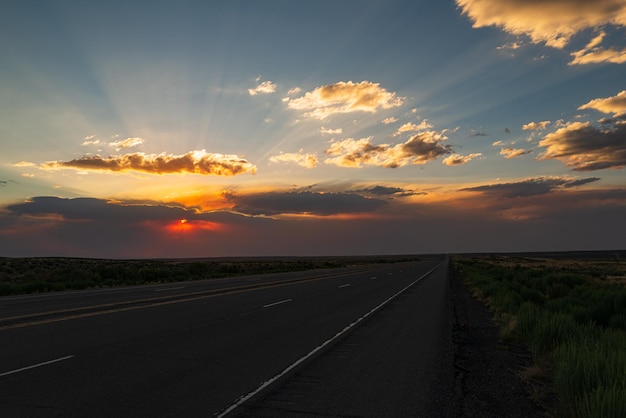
(126, 143)
(302, 202)
(514, 152)
(533, 126)
(615, 105)
(530, 187)
(458, 159)
(345, 97)
(196, 162)
(411, 127)
(265, 87)
(328, 131)
(421, 148)
(389, 120)
(585, 147)
(302, 159)
(593, 53)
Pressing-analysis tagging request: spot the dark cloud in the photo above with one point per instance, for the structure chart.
(303, 202)
(388, 191)
(507, 130)
(585, 147)
(197, 162)
(568, 220)
(4, 183)
(530, 187)
(476, 134)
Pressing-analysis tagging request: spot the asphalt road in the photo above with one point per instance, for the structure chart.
(368, 341)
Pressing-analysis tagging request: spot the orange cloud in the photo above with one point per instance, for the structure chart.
(190, 226)
(533, 126)
(421, 148)
(411, 127)
(615, 105)
(585, 147)
(345, 97)
(126, 143)
(457, 159)
(553, 22)
(593, 53)
(514, 152)
(265, 87)
(196, 162)
(303, 160)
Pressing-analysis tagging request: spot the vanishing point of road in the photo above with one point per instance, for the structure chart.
(366, 341)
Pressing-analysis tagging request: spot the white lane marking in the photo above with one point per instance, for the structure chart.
(45, 363)
(345, 285)
(169, 288)
(293, 365)
(373, 278)
(277, 303)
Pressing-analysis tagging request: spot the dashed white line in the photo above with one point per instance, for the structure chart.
(345, 285)
(45, 363)
(277, 303)
(295, 364)
(373, 278)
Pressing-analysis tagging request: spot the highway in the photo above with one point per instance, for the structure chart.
(364, 341)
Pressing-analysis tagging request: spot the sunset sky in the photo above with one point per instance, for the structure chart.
(133, 129)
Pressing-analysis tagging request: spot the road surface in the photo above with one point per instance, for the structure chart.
(359, 342)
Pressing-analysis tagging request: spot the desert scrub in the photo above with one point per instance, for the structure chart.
(572, 321)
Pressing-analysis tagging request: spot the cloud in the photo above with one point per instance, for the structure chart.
(593, 53)
(530, 187)
(533, 126)
(615, 105)
(330, 131)
(126, 143)
(388, 191)
(294, 90)
(476, 134)
(421, 148)
(265, 87)
(304, 160)
(24, 164)
(514, 152)
(196, 162)
(345, 97)
(507, 130)
(411, 127)
(457, 159)
(553, 22)
(389, 120)
(585, 147)
(497, 143)
(303, 202)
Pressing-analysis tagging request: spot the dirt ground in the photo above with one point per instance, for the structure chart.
(487, 370)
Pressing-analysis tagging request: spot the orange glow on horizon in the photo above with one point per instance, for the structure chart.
(190, 226)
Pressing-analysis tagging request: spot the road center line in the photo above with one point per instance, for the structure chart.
(45, 363)
(345, 285)
(295, 364)
(277, 303)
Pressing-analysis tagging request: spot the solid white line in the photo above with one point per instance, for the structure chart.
(277, 303)
(373, 278)
(268, 382)
(169, 288)
(45, 363)
(344, 285)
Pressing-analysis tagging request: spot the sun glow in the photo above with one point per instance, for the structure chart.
(191, 226)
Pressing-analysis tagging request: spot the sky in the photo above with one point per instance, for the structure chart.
(159, 129)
